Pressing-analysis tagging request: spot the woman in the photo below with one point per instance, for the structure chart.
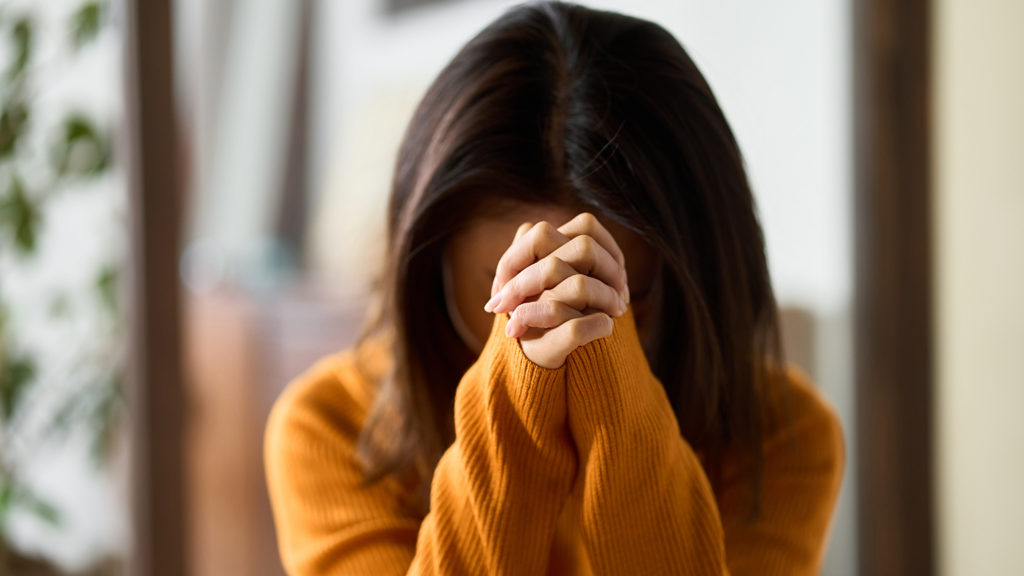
(575, 368)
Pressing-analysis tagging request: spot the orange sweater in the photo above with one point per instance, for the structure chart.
(576, 470)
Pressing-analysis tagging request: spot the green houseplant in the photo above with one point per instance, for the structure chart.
(34, 412)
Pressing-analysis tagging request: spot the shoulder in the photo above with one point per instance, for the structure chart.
(797, 408)
(315, 481)
(321, 411)
(802, 429)
(803, 457)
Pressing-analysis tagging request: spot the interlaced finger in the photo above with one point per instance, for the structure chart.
(581, 293)
(581, 255)
(529, 246)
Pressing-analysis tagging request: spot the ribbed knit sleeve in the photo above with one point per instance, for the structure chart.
(496, 493)
(648, 507)
(595, 440)
(498, 490)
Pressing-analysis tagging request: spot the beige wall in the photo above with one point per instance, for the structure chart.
(979, 236)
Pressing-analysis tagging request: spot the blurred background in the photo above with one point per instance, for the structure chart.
(192, 199)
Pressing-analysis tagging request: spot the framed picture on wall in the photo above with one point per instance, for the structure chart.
(393, 7)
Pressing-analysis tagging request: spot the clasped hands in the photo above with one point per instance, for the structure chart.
(561, 287)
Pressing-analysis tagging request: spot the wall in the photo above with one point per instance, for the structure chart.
(979, 235)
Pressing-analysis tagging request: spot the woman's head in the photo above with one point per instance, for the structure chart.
(471, 255)
(555, 109)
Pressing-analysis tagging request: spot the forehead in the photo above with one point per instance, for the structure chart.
(489, 235)
(514, 214)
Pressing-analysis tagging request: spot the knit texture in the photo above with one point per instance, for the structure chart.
(574, 470)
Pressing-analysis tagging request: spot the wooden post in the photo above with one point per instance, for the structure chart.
(150, 153)
(894, 381)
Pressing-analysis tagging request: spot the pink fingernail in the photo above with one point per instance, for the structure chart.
(492, 303)
(500, 305)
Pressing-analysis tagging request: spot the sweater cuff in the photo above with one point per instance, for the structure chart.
(611, 388)
(536, 394)
(617, 356)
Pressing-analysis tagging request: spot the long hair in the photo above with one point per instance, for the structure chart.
(555, 103)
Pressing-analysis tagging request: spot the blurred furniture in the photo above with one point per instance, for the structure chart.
(799, 335)
(241, 351)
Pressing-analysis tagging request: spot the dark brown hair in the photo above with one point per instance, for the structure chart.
(556, 103)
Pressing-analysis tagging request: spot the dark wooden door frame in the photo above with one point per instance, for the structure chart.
(150, 151)
(893, 348)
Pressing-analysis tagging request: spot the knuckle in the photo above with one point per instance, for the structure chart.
(551, 268)
(543, 228)
(578, 283)
(588, 220)
(586, 246)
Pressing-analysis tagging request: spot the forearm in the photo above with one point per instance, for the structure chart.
(498, 490)
(648, 506)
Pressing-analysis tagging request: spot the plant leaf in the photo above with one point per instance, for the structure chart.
(5, 501)
(106, 287)
(21, 37)
(86, 23)
(19, 373)
(20, 214)
(13, 121)
(106, 418)
(64, 419)
(83, 150)
(27, 500)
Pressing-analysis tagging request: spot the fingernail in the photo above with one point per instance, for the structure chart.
(508, 327)
(489, 307)
(500, 305)
(622, 306)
